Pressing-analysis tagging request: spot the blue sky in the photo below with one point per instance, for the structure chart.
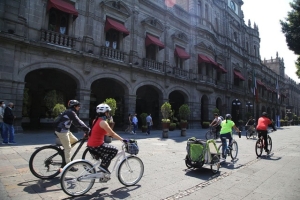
(266, 14)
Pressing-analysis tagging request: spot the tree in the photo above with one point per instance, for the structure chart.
(291, 30)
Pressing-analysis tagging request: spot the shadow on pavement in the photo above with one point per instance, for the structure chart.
(203, 173)
(41, 186)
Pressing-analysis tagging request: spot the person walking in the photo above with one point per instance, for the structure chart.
(149, 123)
(62, 129)
(135, 123)
(129, 122)
(8, 121)
(2, 107)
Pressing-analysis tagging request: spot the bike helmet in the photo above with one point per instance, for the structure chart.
(228, 116)
(264, 114)
(102, 108)
(73, 103)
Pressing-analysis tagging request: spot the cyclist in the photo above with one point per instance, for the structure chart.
(262, 129)
(216, 123)
(62, 130)
(96, 144)
(226, 133)
(251, 124)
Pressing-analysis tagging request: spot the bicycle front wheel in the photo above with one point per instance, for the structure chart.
(76, 180)
(259, 147)
(46, 161)
(130, 171)
(269, 143)
(234, 151)
(209, 135)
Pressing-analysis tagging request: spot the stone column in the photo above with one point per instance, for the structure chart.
(17, 99)
(83, 96)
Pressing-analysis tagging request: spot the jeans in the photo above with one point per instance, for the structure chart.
(66, 140)
(148, 127)
(1, 129)
(8, 133)
(224, 137)
(134, 127)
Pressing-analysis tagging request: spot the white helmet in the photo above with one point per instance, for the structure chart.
(102, 108)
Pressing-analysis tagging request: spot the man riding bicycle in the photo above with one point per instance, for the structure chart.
(251, 124)
(226, 133)
(216, 123)
(262, 129)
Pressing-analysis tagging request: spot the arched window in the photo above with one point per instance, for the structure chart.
(199, 8)
(235, 37)
(255, 51)
(247, 46)
(217, 24)
(206, 11)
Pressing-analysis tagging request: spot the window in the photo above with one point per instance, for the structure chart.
(207, 69)
(236, 81)
(235, 37)
(217, 24)
(206, 12)
(151, 52)
(254, 51)
(112, 39)
(200, 68)
(247, 46)
(179, 62)
(199, 8)
(58, 21)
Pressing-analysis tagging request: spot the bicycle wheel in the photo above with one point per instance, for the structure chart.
(269, 143)
(234, 151)
(76, 183)
(248, 134)
(258, 147)
(209, 135)
(46, 161)
(220, 149)
(215, 164)
(188, 161)
(130, 171)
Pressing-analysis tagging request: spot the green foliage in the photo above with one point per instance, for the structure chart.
(172, 125)
(165, 120)
(184, 112)
(26, 103)
(112, 104)
(295, 118)
(286, 118)
(143, 118)
(216, 110)
(58, 108)
(166, 110)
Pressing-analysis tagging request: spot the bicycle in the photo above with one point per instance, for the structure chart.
(260, 144)
(251, 131)
(212, 133)
(231, 150)
(80, 182)
(45, 162)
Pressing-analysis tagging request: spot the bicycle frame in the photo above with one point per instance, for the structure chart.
(81, 141)
(120, 157)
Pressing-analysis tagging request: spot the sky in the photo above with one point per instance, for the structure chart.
(266, 14)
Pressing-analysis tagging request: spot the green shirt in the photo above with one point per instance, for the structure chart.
(226, 127)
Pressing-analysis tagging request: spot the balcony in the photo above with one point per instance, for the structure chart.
(113, 54)
(153, 65)
(57, 39)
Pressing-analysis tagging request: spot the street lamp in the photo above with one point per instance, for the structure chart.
(249, 106)
(236, 103)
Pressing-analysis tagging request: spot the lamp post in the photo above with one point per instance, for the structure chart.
(236, 104)
(249, 107)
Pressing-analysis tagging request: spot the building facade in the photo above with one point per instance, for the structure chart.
(140, 52)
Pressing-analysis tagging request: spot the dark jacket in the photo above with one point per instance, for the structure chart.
(68, 118)
(8, 117)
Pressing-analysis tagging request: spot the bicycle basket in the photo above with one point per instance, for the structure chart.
(132, 147)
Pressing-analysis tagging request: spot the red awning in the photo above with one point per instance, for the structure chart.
(154, 40)
(238, 75)
(203, 59)
(222, 69)
(180, 52)
(260, 83)
(112, 24)
(212, 61)
(63, 6)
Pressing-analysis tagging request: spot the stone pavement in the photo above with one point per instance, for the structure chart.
(166, 176)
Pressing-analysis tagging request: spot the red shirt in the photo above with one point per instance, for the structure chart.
(263, 123)
(97, 135)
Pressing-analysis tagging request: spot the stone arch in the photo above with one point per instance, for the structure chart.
(219, 106)
(204, 109)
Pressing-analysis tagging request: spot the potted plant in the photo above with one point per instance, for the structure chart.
(113, 105)
(144, 122)
(58, 108)
(166, 110)
(184, 112)
(26, 106)
(205, 124)
(172, 126)
(295, 119)
(282, 123)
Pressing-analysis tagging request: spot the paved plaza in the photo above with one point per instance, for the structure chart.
(166, 176)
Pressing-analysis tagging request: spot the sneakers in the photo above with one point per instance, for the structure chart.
(4, 142)
(267, 151)
(12, 143)
(132, 132)
(74, 169)
(104, 169)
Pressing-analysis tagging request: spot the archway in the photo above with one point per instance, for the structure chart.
(219, 106)
(147, 101)
(204, 109)
(176, 99)
(104, 88)
(39, 83)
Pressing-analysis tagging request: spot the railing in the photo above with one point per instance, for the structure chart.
(153, 65)
(180, 73)
(111, 53)
(56, 38)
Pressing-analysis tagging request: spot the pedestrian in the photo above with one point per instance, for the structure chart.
(134, 123)
(62, 129)
(149, 123)
(8, 121)
(2, 107)
(129, 122)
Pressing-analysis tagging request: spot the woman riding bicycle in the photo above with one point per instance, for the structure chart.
(96, 144)
(225, 133)
(262, 128)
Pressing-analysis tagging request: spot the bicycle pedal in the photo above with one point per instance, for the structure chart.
(104, 180)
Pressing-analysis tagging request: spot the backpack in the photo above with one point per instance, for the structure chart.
(57, 120)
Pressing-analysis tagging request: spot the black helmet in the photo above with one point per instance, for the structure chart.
(73, 103)
(264, 114)
(228, 116)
